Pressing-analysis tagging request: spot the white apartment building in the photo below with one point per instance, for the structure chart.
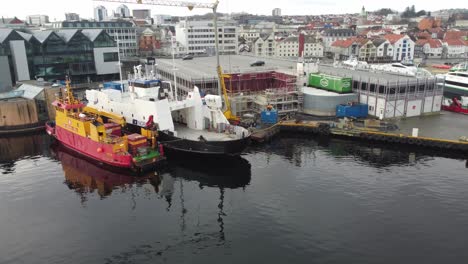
(199, 36)
(291, 46)
(122, 11)
(455, 48)
(383, 48)
(248, 33)
(276, 12)
(403, 46)
(100, 13)
(265, 46)
(37, 20)
(433, 48)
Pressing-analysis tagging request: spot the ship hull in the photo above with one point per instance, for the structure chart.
(451, 91)
(456, 109)
(174, 144)
(94, 150)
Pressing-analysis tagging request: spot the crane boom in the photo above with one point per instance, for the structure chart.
(190, 5)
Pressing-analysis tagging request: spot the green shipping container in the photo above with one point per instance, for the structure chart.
(330, 83)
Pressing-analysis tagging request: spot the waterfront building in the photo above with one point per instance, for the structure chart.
(455, 48)
(332, 35)
(198, 36)
(392, 96)
(384, 50)
(72, 17)
(402, 45)
(37, 20)
(124, 31)
(85, 55)
(433, 48)
(300, 46)
(100, 13)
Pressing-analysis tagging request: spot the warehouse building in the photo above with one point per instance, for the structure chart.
(392, 96)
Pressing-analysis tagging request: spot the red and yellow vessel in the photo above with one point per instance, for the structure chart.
(83, 130)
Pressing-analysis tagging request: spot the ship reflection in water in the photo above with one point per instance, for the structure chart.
(294, 198)
(86, 177)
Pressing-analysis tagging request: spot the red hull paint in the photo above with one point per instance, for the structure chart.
(456, 109)
(88, 147)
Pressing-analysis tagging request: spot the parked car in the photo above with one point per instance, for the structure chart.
(187, 57)
(257, 63)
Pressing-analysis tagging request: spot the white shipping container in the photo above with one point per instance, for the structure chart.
(400, 108)
(413, 108)
(428, 103)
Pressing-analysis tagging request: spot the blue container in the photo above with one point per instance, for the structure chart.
(269, 116)
(352, 110)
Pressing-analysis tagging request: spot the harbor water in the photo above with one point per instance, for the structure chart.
(294, 200)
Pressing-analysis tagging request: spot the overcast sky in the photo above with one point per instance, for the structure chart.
(57, 8)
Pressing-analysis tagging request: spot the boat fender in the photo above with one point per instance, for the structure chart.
(99, 150)
(161, 150)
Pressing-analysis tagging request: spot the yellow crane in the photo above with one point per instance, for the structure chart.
(191, 5)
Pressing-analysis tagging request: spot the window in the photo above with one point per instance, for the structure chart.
(110, 56)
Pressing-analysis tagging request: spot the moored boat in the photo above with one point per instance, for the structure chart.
(456, 105)
(191, 124)
(101, 137)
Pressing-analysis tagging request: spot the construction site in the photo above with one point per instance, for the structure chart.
(250, 89)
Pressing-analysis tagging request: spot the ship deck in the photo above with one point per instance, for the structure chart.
(192, 134)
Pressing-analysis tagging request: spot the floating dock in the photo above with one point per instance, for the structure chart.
(334, 129)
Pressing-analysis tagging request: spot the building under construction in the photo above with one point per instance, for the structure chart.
(250, 89)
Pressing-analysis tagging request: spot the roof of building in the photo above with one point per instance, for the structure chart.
(42, 35)
(434, 43)
(66, 34)
(435, 30)
(452, 34)
(205, 67)
(30, 91)
(424, 35)
(421, 42)
(15, 20)
(92, 34)
(4, 33)
(367, 76)
(393, 37)
(345, 43)
(334, 31)
(455, 42)
(26, 36)
(379, 41)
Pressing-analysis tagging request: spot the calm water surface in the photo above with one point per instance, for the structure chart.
(292, 201)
